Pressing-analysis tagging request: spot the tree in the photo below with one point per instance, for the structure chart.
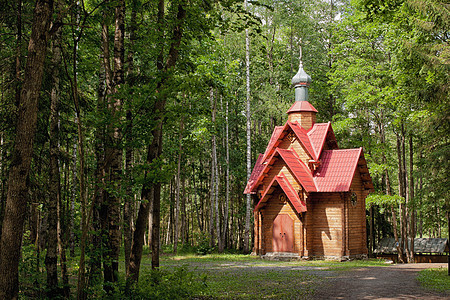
(249, 140)
(17, 197)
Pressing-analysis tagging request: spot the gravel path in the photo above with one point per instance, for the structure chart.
(393, 282)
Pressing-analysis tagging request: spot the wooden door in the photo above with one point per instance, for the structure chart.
(283, 234)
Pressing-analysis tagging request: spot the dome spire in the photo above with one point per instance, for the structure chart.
(301, 82)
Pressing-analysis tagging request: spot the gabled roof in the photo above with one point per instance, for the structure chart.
(254, 176)
(296, 166)
(274, 139)
(280, 132)
(299, 169)
(336, 170)
(318, 135)
(302, 135)
(287, 188)
(301, 106)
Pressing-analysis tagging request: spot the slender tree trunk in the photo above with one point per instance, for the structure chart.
(72, 200)
(18, 52)
(128, 207)
(249, 148)
(227, 188)
(62, 245)
(81, 293)
(216, 202)
(394, 220)
(412, 214)
(18, 180)
(213, 168)
(51, 259)
(402, 190)
(177, 195)
(184, 216)
(2, 182)
(151, 193)
(95, 264)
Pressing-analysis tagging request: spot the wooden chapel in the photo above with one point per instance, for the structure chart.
(309, 195)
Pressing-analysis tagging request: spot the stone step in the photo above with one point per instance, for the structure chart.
(281, 256)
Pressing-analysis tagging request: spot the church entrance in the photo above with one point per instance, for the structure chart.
(283, 234)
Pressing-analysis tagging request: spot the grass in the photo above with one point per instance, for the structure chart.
(228, 276)
(234, 276)
(435, 279)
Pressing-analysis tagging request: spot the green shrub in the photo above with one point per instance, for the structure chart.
(32, 278)
(203, 247)
(163, 284)
(435, 279)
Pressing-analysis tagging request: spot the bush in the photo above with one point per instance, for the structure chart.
(162, 284)
(32, 280)
(203, 247)
(435, 279)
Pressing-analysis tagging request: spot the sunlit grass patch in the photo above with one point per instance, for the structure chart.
(210, 257)
(255, 284)
(352, 264)
(435, 279)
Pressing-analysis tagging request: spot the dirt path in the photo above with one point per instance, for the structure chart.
(394, 282)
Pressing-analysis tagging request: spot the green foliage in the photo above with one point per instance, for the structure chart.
(203, 246)
(386, 200)
(435, 279)
(33, 283)
(163, 284)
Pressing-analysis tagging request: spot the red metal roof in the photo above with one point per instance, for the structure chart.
(254, 176)
(287, 188)
(293, 162)
(298, 168)
(336, 170)
(302, 135)
(301, 106)
(318, 135)
(281, 131)
(334, 173)
(273, 140)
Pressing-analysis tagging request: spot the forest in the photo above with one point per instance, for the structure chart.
(131, 127)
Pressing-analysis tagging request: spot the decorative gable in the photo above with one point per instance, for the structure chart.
(291, 195)
(328, 170)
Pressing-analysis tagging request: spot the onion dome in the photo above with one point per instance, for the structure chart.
(301, 78)
(301, 81)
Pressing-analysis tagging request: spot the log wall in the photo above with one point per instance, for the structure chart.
(305, 119)
(325, 225)
(357, 218)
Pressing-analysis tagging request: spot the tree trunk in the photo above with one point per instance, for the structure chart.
(412, 214)
(128, 207)
(2, 183)
(394, 221)
(151, 192)
(177, 195)
(18, 181)
(213, 168)
(51, 259)
(18, 52)
(72, 200)
(249, 148)
(114, 155)
(402, 190)
(227, 188)
(216, 202)
(95, 264)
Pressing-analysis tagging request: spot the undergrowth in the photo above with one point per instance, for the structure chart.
(435, 279)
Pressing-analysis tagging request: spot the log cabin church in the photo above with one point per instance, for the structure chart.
(309, 195)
